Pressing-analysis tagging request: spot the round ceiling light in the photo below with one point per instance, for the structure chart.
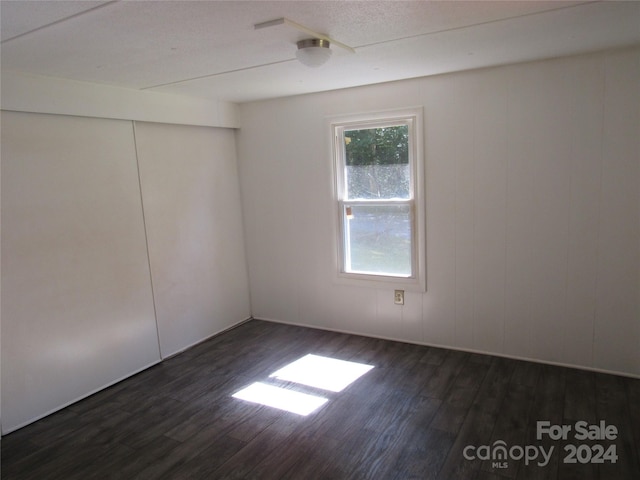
(313, 52)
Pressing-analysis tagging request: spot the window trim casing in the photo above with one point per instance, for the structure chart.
(414, 117)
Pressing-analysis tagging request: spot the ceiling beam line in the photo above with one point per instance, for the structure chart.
(302, 28)
(75, 15)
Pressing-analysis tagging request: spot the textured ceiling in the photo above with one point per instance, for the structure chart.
(210, 49)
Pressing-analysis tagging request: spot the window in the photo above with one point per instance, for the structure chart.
(379, 198)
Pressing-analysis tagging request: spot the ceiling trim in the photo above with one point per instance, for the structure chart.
(37, 94)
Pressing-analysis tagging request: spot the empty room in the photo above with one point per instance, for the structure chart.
(320, 240)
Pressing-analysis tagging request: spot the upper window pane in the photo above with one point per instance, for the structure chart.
(377, 163)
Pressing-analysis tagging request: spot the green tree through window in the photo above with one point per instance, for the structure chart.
(377, 161)
(377, 146)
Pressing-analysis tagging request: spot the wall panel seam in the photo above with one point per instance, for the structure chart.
(146, 237)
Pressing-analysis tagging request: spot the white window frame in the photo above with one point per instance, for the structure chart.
(412, 117)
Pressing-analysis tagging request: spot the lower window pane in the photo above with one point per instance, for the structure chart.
(378, 239)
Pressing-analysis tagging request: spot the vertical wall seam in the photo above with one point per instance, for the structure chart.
(474, 244)
(507, 112)
(456, 168)
(603, 73)
(146, 237)
(571, 181)
(243, 211)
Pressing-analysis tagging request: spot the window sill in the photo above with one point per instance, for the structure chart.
(379, 281)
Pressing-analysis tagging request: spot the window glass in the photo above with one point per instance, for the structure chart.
(379, 239)
(377, 163)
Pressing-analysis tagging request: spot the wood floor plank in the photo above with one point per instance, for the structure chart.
(449, 418)
(246, 463)
(579, 405)
(434, 356)
(475, 431)
(633, 397)
(423, 456)
(445, 375)
(547, 405)
(511, 428)
(494, 386)
(140, 460)
(182, 459)
(465, 387)
(580, 396)
(613, 408)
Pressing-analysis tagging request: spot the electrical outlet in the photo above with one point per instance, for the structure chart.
(398, 297)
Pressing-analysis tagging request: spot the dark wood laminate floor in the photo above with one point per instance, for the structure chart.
(410, 417)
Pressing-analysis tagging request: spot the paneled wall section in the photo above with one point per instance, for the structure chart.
(82, 260)
(192, 211)
(533, 212)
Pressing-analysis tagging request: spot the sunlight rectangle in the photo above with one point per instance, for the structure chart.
(281, 398)
(322, 372)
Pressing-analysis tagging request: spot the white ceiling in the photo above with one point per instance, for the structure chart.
(210, 49)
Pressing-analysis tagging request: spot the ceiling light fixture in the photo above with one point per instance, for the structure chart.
(313, 52)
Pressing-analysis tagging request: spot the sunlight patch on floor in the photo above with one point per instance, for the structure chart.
(315, 371)
(322, 372)
(281, 398)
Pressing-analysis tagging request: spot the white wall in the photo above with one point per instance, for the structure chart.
(191, 200)
(78, 309)
(533, 212)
